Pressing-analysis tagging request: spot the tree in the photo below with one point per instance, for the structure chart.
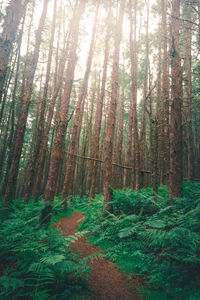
(15, 11)
(62, 121)
(176, 173)
(71, 162)
(112, 111)
(22, 119)
(133, 55)
(98, 117)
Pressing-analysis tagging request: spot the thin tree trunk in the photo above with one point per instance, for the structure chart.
(134, 62)
(112, 112)
(98, 117)
(188, 95)
(143, 130)
(63, 121)
(71, 162)
(175, 175)
(15, 11)
(21, 125)
(40, 126)
(119, 171)
(165, 95)
(58, 79)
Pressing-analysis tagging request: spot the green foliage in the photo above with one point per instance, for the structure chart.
(156, 240)
(36, 261)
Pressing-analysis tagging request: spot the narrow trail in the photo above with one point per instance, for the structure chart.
(105, 280)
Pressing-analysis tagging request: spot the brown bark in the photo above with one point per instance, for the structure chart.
(21, 125)
(175, 175)
(65, 100)
(165, 95)
(71, 162)
(15, 12)
(98, 117)
(159, 126)
(154, 154)
(188, 97)
(40, 126)
(112, 111)
(119, 173)
(8, 143)
(143, 130)
(133, 56)
(58, 79)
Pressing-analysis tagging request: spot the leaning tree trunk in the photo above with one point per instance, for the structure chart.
(175, 174)
(112, 112)
(40, 126)
(21, 124)
(15, 11)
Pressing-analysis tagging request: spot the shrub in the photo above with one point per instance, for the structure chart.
(37, 262)
(159, 240)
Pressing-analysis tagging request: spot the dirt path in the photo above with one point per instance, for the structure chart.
(105, 281)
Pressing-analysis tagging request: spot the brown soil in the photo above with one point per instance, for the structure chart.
(105, 280)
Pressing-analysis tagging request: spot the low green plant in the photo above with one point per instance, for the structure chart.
(37, 262)
(156, 240)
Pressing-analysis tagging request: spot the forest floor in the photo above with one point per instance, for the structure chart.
(105, 280)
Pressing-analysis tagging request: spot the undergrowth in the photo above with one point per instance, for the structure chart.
(158, 240)
(36, 262)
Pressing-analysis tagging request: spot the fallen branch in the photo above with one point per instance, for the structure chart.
(102, 161)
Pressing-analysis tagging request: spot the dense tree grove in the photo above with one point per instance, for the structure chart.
(100, 144)
(98, 95)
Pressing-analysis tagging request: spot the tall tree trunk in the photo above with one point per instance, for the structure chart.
(165, 95)
(12, 111)
(58, 79)
(15, 11)
(98, 117)
(143, 130)
(188, 95)
(40, 126)
(133, 56)
(112, 111)
(21, 124)
(175, 175)
(71, 162)
(119, 172)
(65, 100)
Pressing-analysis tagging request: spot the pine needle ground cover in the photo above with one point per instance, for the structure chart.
(157, 240)
(36, 262)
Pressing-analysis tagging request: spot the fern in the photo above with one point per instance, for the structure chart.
(158, 240)
(42, 263)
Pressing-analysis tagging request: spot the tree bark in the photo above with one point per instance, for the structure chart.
(98, 117)
(15, 10)
(165, 95)
(143, 130)
(65, 100)
(175, 175)
(112, 112)
(133, 56)
(40, 126)
(71, 162)
(21, 124)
